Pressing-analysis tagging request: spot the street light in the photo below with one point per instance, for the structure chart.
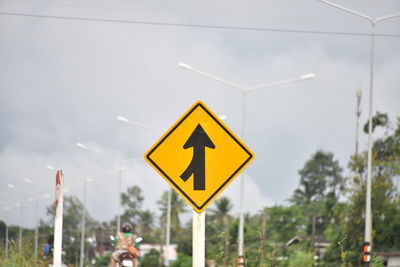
(119, 170)
(6, 235)
(244, 91)
(18, 204)
(368, 217)
(88, 180)
(36, 199)
(168, 222)
(37, 225)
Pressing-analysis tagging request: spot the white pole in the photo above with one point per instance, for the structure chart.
(36, 232)
(368, 217)
(20, 231)
(240, 259)
(199, 239)
(58, 222)
(82, 254)
(6, 249)
(358, 114)
(168, 229)
(119, 200)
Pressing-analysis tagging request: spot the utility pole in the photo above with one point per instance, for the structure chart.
(358, 114)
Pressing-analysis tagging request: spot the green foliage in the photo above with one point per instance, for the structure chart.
(380, 119)
(183, 261)
(132, 202)
(151, 259)
(320, 177)
(378, 261)
(103, 260)
(301, 258)
(178, 206)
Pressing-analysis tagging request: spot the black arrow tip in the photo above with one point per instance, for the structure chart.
(199, 138)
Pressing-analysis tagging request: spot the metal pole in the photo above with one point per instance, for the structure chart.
(358, 114)
(199, 239)
(6, 249)
(368, 217)
(240, 259)
(36, 233)
(119, 200)
(20, 232)
(82, 254)
(168, 229)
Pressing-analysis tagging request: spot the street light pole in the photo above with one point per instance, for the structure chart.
(358, 114)
(244, 91)
(20, 228)
(82, 252)
(120, 170)
(368, 217)
(168, 222)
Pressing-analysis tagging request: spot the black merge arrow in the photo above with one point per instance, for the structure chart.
(199, 140)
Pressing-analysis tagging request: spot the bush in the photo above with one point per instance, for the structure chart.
(301, 258)
(183, 261)
(103, 260)
(151, 259)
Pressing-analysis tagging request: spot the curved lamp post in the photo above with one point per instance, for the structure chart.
(368, 217)
(168, 222)
(244, 91)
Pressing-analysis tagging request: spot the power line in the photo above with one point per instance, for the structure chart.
(199, 26)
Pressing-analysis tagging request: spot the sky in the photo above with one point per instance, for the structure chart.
(68, 68)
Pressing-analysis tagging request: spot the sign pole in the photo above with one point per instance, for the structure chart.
(58, 222)
(199, 223)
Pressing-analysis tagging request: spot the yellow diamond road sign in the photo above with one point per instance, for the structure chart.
(199, 156)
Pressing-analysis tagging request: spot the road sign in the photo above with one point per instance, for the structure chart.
(199, 156)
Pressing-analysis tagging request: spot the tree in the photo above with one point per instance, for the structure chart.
(385, 199)
(220, 210)
(178, 206)
(220, 216)
(72, 221)
(321, 176)
(146, 226)
(132, 202)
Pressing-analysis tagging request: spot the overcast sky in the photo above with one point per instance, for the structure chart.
(64, 81)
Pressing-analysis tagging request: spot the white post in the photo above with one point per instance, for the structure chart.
(240, 259)
(36, 233)
(119, 201)
(82, 254)
(368, 217)
(6, 249)
(199, 223)
(58, 222)
(20, 231)
(168, 229)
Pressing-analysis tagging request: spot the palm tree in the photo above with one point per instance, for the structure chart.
(178, 206)
(146, 224)
(222, 208)
(221, 211)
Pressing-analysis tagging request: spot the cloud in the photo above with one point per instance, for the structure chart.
(63, 82)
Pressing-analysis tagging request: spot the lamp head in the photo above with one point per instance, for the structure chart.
(50, 167)
(307, 76)
(80, 145)
(120, 118)
(185, 66)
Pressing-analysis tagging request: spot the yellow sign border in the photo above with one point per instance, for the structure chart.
(147, 156)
